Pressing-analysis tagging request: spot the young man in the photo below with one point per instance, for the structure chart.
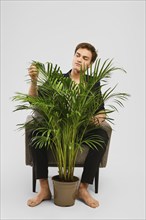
(84, 55)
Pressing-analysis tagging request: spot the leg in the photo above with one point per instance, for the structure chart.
(94, 157)
(96, 180)
(40, 171)
(91, 167)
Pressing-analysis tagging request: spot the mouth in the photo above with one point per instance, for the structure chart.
(78, 64)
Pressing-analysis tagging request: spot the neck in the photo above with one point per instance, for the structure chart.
(75, 76)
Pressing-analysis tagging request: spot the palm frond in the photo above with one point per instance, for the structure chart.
(64, 110)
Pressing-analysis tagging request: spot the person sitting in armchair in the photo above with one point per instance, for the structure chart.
(84, 55)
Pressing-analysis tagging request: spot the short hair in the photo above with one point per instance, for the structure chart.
(88, 47)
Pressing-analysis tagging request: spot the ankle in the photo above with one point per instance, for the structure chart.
(43, 181)
(83, 185)
(44, 184)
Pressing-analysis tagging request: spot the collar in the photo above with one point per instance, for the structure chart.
(67, 74)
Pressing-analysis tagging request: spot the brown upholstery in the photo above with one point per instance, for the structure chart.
(80, 158)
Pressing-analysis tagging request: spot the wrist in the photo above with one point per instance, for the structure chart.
(34, 82)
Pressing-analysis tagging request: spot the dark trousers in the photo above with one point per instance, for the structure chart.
(40, 160)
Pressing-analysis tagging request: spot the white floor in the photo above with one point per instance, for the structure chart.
(121, 187)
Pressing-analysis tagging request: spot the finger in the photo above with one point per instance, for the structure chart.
(32, 69)
(33, 74)
(32, 65)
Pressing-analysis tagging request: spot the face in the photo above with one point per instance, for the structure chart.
(81, 60)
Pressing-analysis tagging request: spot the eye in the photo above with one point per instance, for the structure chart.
(77, 55)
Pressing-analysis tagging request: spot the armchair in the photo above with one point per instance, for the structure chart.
(80, 158)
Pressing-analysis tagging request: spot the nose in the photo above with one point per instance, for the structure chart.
(79, 59)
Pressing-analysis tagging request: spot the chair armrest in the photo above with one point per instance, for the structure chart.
(106, 126)
(28, 132)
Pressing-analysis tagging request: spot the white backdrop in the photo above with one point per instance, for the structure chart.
(49, 31)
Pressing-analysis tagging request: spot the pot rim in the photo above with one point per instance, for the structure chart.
(56, 178)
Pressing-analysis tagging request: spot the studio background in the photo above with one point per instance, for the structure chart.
(49, 31)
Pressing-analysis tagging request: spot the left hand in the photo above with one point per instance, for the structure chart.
(98, 119)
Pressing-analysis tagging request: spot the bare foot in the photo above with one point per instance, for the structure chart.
(84, 195)
(38, 199)
(44, 194)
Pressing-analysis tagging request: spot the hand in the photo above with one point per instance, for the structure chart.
(33, 72)
(98, 119)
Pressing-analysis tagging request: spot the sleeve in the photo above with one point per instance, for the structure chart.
(97, 88)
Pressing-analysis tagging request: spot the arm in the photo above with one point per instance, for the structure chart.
(33, 73)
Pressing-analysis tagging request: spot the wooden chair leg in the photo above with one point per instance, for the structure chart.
(33, 180)
(96, 180)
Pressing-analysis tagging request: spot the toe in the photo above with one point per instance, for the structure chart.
(33, 202)
(93, 205)
(29, 202)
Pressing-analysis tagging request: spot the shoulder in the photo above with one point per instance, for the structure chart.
(67, 74)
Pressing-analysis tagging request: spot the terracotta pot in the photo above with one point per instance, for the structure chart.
(65, 192)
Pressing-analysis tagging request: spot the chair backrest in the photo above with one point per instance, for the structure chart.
(81, 156)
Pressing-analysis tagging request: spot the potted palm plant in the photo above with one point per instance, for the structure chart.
(65, 112)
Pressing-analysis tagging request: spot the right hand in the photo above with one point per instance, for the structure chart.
(33, 72)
